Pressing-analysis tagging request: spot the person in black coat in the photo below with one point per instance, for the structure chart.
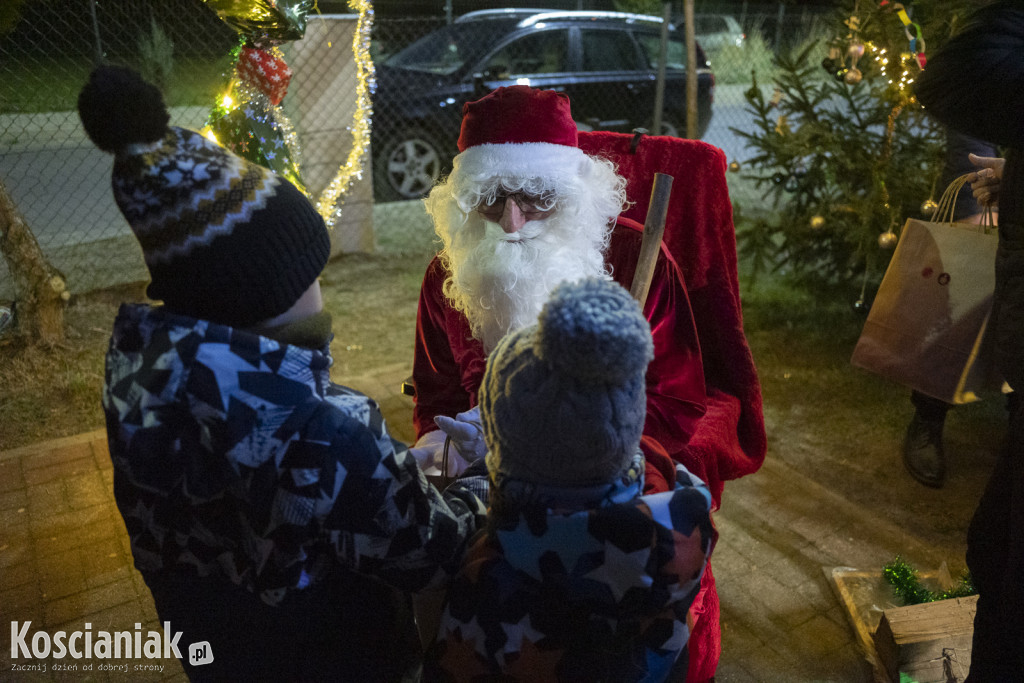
(923, 451)
(975, 84)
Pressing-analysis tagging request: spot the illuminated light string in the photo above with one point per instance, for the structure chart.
(257, 107)
(914, 56)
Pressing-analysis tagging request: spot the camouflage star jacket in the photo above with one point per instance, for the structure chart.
(599, 594)
(235, 456)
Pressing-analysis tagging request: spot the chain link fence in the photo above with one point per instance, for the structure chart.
(60, 182)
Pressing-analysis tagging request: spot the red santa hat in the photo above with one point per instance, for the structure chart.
(518, 131)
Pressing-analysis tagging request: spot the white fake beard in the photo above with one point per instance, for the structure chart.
(500, 282)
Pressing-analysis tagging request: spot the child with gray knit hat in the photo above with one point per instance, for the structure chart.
(250, 485)
(577, 576)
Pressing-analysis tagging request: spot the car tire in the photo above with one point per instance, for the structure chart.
(669, 127)
(406, 166)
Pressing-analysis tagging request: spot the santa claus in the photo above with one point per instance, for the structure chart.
(523, 210)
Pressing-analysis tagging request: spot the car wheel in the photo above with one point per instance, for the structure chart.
(668, 127)
(406, 166)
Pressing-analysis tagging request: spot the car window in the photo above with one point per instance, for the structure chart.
(609, 51)
(675, 54)
(442, 52)
(542, 52)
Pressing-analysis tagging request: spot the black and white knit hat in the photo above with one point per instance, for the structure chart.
(564, 401)
(224, 239)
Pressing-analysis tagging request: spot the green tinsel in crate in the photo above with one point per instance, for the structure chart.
(908, 587)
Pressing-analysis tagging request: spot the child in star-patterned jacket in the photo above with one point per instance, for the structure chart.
(577, 576)
(252, 488)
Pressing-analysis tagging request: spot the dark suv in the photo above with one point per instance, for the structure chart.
(606, 62)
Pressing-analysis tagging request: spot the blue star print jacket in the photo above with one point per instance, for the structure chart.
(596, 594)
(240, 470)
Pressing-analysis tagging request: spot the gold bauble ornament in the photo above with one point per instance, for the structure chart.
(888, 240)
(929, 207)
(734, 166)
(817, 222)
(853, 76)
(855, 50)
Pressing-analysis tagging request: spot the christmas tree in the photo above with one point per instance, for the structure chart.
(843, 153)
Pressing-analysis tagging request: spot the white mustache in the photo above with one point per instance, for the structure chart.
(530, 230)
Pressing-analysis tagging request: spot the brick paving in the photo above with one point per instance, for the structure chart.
(65, 561)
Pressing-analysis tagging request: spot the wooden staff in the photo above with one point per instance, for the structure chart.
(654, 229)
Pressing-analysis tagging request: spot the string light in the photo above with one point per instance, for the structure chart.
(902, 81)
(330, 201)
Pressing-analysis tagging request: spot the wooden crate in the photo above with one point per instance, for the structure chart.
(927, 642)
(867, 598)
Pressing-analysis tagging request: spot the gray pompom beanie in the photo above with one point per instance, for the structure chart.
(564, 401)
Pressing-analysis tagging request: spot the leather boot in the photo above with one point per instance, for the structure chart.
(922, 452)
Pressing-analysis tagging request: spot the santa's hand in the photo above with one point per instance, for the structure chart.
(428, 450)
(429, 455)
(466, 433)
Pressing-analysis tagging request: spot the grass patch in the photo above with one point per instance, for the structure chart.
(46, 85)
(50, 393)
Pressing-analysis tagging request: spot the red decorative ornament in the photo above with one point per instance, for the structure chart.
(266, 72)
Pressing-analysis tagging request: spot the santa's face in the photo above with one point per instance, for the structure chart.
(512, 210)
(516, 240)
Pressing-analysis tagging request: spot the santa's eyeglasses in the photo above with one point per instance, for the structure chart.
(534, 207)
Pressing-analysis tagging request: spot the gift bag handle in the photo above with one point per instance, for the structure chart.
(947, 205)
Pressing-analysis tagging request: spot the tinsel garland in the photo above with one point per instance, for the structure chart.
(908, 587)
(331, 198)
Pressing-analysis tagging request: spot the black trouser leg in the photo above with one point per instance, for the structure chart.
(995, 558)
(928, 408)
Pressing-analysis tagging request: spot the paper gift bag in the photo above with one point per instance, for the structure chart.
(926, 327)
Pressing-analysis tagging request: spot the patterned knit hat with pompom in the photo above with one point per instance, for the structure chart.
(224, 239)
(564, 401)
